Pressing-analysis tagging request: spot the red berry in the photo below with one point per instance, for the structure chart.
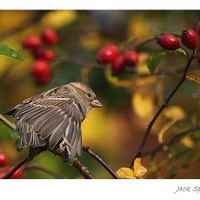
(31, 42)
(44, 79)
(40, 67)
(41, 72)
(3, 160)
(18, 173)
(107, 54)
(3, 173)
(198, 57)
(190, 39)
(44, 53)
(198, 28)
(118, 65)
(49, 36)
(168, 42)
(131, 58)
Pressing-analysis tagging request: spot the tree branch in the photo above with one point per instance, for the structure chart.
(8, 123)
(38, 167)
(151, 123)
(82, 169)
(176, 138)
(14, 169)
(97, 158)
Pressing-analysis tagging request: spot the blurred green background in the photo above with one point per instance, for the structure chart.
(114, 132)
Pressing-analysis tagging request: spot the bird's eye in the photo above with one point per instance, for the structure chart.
(89, 95)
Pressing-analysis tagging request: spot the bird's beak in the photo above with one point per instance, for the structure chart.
(96, 103)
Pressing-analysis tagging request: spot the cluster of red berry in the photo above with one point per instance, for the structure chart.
(3, 162)
(111, 54)
(189, 39)
(40, 69)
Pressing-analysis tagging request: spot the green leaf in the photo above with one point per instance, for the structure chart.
(184, 165)
(18, 145)
(127, 42)
(181, 50)
(172, 173)
(4, 131)
(182, 153)
(155, 60)
(196, 134)
(14, 134)
(5, 50)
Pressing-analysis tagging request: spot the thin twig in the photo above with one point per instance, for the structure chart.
(77, 164)
(8, 123)
(176, 138)
(146, 41)
(82, 169)
(138, 44)
(15, 168)
(70, 59)
(151, 123)
(38, 167)
(97, 158)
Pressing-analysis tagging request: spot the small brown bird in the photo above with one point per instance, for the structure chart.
(53, 118)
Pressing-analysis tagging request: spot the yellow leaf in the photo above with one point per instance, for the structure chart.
(139, 169)
(144, 81)
(188, 142)
(115, 81)
(11, 22)
(125, 172)
(174, 112)
(91, 40)
(142, 68)
(164, 130)
(193, 78)
(140, 28)
(143, 104)
(57, 19)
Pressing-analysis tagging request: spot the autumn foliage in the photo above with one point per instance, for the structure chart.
(146, 76)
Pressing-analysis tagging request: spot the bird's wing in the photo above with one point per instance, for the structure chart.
(54, 121)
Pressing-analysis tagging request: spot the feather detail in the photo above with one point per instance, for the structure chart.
(53, 118)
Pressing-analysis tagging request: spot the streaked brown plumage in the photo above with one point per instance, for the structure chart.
(53, 118)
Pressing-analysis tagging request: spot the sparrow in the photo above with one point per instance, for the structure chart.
(53, 119)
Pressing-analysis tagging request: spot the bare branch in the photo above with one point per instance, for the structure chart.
(14, 169)
(38, 167)
(176, 138)
(97, 158)
(150, 125)
(82, 169)
(7, 122)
